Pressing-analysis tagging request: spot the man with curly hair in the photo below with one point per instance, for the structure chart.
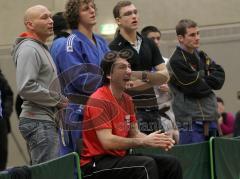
(78, 63)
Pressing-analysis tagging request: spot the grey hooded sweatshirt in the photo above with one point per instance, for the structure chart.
(37, 81)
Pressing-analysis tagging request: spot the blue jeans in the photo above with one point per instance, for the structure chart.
(41, 137)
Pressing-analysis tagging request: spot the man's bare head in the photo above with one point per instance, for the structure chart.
(33, 12)
(38, 20)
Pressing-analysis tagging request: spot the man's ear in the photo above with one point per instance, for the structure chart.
(180, 38)
(29, 25)
(117, 20)
(108, 77)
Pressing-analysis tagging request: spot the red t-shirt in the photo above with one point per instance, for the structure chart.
(103, 111)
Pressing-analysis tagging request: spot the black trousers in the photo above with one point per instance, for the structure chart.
(133, 167)
(3, 144)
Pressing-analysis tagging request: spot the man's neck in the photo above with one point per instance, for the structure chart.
(130, 36)
(189, 50)
(87, 31)
(116, 92)
(37, 37)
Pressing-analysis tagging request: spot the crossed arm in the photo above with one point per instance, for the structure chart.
(159, 77)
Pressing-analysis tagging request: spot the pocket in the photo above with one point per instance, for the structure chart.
(49, 125)
(27, 126)
(33, 132)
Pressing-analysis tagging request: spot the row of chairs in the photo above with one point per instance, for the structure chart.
(217, 158)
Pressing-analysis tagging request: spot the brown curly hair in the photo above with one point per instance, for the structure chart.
(72, 11)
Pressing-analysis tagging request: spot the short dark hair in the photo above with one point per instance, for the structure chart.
(118, 6)
(59, 23)
(220, 100)
(181, 28)
(109, 59)
(146, 30)
(72, 11)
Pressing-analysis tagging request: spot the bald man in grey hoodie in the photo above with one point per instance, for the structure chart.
(38, 86)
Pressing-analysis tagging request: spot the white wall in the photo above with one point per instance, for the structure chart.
(166, 13)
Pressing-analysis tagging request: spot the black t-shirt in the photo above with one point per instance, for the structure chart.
(148, 57)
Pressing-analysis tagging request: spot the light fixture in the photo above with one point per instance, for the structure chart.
(108, 29)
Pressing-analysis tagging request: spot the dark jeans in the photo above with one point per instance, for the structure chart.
(133, 167)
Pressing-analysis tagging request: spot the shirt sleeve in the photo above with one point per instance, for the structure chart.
(156, 54)
(27, 80)
(216, 77)
(190, 81)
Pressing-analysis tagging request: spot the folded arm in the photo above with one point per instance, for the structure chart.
(142, 80)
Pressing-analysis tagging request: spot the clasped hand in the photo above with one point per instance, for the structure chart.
(159, 140)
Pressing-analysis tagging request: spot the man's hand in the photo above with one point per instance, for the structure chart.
(164, 88)
(63, 103)
(158, 140)
(174, 133)
(137, 85)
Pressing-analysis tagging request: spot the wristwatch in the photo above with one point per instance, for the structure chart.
(145, 77)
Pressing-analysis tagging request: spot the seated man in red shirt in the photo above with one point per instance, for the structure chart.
(110, 130)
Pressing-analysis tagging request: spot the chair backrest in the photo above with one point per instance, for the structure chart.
(194, 158)
(226, 157)
(60, 168)
(4, 175)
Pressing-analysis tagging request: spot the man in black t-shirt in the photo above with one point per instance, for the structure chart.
(146, 60)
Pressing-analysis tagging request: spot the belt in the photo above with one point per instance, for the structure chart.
(162, 110)
(147, 109)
